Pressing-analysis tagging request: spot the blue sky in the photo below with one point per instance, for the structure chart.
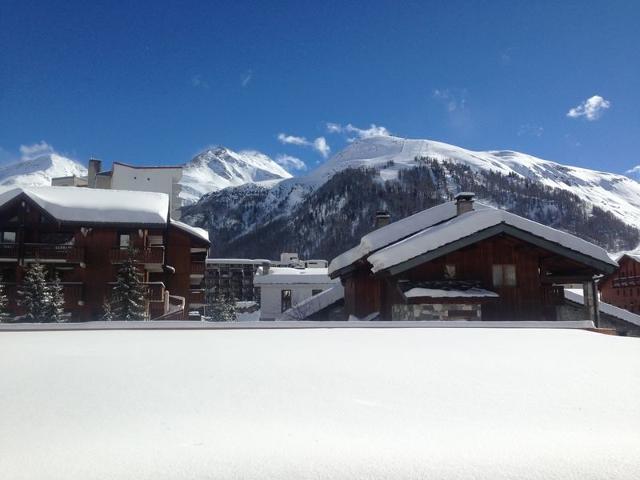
(155, 82)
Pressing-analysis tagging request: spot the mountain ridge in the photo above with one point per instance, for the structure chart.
(574, 195)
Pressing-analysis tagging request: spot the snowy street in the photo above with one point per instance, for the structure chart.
(340, 403)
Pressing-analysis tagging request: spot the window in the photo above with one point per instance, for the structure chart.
(504, 275)
(124, 240)
(8, 237)
(449, 271)
(285, 300)
(315, 292)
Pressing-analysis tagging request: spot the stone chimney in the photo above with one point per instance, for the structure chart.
(382, 218)
(464, 202)
(95, 166)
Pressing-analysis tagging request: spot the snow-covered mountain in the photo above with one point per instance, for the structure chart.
(218, 168)
(39, 171)
(326, 211)
(612, 192)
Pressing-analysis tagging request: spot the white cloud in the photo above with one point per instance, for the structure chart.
(634, 173)
(373, 130)
(293, 140)
(28, 152)
(290, 162)
(453, 98)
(334, 127)
(246, 78)
(198, 81)
(319, 144)
(591, 109)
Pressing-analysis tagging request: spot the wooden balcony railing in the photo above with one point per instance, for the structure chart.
(53, 252)
(197, 268)
(142, 255)
(197, 296)
(155, 291)
(633, 281)
(9, 250)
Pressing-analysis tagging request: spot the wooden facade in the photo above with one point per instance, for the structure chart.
(503, 268)
(622, 288)
(534, 296)
(86, 258)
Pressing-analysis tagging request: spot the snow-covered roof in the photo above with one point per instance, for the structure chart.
(394, 232)
(72, 204)
(634, 254)
(577, 296)
(314, 304)
(418, 292)
(198, 232)
(288, 275)
(437, 226)
(467, 224)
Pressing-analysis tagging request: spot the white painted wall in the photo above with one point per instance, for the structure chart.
(270, 295)
(162, 180)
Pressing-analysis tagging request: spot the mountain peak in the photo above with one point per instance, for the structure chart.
(219, 167)
(40, 170)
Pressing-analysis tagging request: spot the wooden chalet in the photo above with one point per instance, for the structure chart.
(468, 261)
(83, 235)
(622, 287)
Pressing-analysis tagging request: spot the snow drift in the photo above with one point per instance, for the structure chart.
(343, 403)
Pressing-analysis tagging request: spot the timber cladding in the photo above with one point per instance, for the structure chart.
(511, 267)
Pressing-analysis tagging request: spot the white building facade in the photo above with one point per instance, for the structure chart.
(283, 287)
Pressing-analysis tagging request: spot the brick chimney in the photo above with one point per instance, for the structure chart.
(382, 218)
(464, 202)
(95, 166)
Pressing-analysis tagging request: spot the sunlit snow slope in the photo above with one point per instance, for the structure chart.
(615, 193)
(39, 171)
(218, 168)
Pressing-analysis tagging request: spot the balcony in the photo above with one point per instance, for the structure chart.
(155, 291)
(197, 268)
(51, 252)
(197, 297)
(622, 282)
(8, 251)
(141, 255)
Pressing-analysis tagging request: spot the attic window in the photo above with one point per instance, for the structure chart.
(449, 271)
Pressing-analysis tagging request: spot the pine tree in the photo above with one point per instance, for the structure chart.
(4, 303)
(107, 314)
(55, 305)
(129, 294)
(34, 295)
(221, 308)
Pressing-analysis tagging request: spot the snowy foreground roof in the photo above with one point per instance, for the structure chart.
(446, 404)
(73, 204)
(439, 226)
